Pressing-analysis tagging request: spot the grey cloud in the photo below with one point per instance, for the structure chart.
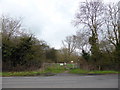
(47, 19)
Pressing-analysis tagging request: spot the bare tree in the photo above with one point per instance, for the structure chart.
(69, 45)
(119, 19)
(112, 23)
(82, 41)
(91, 16)
(9, 26)
(113, 29)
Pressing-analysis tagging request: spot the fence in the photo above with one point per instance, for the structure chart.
(58, 65)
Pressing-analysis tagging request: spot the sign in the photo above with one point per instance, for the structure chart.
(61, 64)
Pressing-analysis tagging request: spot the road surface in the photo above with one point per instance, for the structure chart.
(62, 81)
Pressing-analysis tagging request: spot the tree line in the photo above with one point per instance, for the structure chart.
(22, 50)
(98, 37)
(95, 46)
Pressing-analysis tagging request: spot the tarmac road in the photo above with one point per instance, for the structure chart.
(62, 81)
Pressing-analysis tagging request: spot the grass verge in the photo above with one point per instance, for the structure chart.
(46, 72)
(50, 71)
(79, 71)
(25, 73)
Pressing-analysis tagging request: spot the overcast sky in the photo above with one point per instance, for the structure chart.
(49, 20)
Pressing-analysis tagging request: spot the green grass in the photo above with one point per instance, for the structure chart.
(0, 73)
(69, 65)
(79, 71)
(104, 72)
(25, 73)
(52, 69)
